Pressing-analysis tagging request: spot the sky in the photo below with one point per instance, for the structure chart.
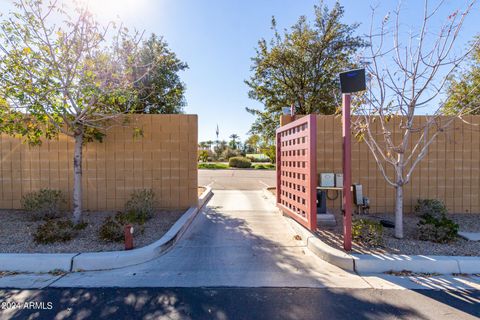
(217, 39)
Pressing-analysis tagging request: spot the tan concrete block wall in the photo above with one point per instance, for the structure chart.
(163, 159)
(450, 171)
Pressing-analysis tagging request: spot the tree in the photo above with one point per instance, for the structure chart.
(233, 142)
(406, 77)
(301, 67)
(160, 90)
(219, 148)
(464, 88)
(72, 78)
(209, 144)
(203, 156)
(252, 143)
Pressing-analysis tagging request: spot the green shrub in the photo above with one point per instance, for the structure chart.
(430, 208)
(239, 162)
(230, 153)
(434, 225)
(44, 204)
(140, 207)
(55, 231)
(368, 232)
(111, 230)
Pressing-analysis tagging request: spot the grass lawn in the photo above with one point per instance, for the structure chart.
(213, 165)
(224, 165)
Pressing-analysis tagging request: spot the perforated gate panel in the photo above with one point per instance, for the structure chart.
(297, 170)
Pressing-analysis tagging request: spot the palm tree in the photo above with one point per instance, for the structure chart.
(233, 142)
(209, 144)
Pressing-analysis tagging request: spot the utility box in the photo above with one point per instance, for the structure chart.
(327, 180)
(358, 194)
(339, 180)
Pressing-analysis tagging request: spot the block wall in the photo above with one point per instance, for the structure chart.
(163, 159)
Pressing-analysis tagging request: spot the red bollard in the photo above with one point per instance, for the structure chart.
(128, 231)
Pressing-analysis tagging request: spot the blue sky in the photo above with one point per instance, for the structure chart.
(217, 38)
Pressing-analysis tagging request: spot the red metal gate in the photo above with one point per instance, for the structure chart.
(297, 170)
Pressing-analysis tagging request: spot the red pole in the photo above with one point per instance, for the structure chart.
(347, 174)
(128, 232)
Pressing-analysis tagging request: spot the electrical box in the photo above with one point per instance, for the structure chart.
(357, 194)
(327, 179)
(339, 180)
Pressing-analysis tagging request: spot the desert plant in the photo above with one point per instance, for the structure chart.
(430, 208)
(44, 204)
(111, 230)
(434, 225)
(140, 207)
(56, 231)
(368, 232)
(239, 162)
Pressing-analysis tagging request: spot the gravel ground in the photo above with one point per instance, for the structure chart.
(17, 229)
(410, 244)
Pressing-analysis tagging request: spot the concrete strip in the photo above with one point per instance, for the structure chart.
(469, 265)
(28, 281)
(36, 262)
(472, 236)
(378, 263)
(91, 261)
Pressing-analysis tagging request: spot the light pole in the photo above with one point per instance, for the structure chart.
(350, 81)
(347, 173)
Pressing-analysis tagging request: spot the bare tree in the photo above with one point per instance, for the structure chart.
(406, 77)
(75, 76)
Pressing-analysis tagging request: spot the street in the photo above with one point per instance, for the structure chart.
(242, 303)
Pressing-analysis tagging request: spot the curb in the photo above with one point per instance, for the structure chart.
(322, 250)
(380, 263)
(89, 261)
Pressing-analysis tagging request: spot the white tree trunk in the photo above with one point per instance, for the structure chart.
(77, 178)
(399, 211)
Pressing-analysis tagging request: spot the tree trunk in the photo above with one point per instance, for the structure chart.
(77, 177)
(399, 211)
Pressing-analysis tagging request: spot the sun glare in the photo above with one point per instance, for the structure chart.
(112, 8)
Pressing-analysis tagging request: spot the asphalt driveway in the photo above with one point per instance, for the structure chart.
(237, 179)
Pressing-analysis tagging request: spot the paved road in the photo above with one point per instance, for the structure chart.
(237, 179)
(240, 303)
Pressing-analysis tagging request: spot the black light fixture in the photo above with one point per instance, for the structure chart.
(352, 81)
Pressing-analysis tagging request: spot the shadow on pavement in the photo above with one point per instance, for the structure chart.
(203, 303)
